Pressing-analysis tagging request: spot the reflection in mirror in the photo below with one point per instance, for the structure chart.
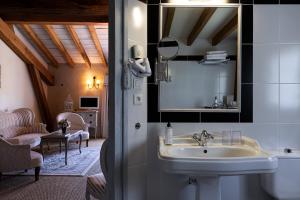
(167, 48)
(204, 74)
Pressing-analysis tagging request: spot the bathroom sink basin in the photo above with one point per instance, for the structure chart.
(185, 156)
(212, 152)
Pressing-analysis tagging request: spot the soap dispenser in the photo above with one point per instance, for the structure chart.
(169, 134)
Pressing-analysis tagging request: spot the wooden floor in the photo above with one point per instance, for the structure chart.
(48, 187)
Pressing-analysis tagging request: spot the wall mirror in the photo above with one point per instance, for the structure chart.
(204, 75)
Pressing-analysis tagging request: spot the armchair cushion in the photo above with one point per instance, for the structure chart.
(85, 135)
(32, 139)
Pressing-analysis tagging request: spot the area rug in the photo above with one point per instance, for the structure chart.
(78, 164)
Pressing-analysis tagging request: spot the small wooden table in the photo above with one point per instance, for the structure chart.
(65, 138)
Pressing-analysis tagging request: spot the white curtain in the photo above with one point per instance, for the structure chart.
(104, 110)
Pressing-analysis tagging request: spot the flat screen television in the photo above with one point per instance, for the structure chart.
(89, 102)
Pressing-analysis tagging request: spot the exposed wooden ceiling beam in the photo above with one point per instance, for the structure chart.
(200, 24)
(168, 22)
(18, 11)
(13, 42)
(40, 96)
(11, 26)
(38, 42)
(225, 31)
(79, 45)
(58, 44)
(97, 43)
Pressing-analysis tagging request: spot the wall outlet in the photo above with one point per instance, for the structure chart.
(137, 99)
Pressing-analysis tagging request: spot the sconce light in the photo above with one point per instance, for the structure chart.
(93, 84)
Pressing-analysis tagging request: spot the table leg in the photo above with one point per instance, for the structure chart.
(41, 149)
(66, 151)
(80, 140)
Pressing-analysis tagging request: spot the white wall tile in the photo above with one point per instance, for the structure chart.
(290, 63)
(265, 23)
(289, 103)
(289, 23)
(265, 103)
(265, 134)
(289, 136)
(137, 21)
(266, 63)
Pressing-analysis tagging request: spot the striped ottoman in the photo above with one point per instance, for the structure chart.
(96, 186)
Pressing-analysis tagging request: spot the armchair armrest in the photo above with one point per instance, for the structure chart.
(14, 157)
(86, 127)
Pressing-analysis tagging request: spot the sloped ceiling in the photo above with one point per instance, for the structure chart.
(63, 35)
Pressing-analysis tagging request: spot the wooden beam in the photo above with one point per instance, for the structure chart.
(225, 31)
(11, 26)
(97, 43)
(79, 45)
(58, 44)
(40, 96)
(168, 22)
(200, 24)
(19, 11)
(36, 40)
(13, 42)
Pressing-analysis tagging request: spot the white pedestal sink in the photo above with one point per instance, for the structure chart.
(208, 163)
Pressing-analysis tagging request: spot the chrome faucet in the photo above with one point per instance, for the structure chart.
(202, 137)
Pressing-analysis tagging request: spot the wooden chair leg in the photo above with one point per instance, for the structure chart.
(37, 173)
(87, 143)
(87, 195)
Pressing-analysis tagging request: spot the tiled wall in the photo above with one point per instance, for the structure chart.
(276, 103)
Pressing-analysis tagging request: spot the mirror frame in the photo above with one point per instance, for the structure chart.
(239, 43)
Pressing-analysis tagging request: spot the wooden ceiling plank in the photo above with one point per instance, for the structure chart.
(38, 42)
(97, 43)
(13, 42)
(168, 22)
(200, 24)
(19, 11)
(225, 31)
(53, 36)
(78, 44)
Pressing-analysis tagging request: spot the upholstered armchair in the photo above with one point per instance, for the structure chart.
(18, 157)
(77, 123)
(19, 127)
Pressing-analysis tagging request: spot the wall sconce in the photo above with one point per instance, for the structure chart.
(93, 84)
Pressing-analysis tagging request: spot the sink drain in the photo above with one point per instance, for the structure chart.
(204, 151)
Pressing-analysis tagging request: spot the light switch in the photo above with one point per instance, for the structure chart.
(137, 99)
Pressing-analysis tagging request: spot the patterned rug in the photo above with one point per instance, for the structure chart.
(78, 164)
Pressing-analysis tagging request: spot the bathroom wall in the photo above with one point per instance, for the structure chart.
(276, 105)
(136, 139)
